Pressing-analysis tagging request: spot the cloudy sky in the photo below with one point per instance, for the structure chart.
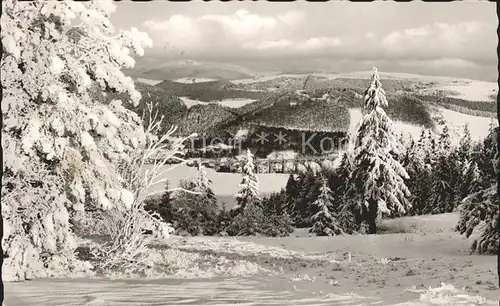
(454, 39)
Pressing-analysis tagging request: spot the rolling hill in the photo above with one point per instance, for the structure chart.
(294, 104)
(194, 69)
(208, 91)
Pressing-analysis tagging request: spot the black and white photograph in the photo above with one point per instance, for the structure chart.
(250, 153)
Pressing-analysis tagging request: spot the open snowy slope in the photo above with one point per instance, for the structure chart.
(148, 81)
(223, 183)
(472, 90)
(456, 121)
(355, 115)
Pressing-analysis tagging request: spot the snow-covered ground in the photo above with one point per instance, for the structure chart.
(232, 103)
(194, 80)
(478, 126)
(148, 81)
(355, 116)
(223, 292)
(456, 121)
(223, 183)
(406, 268)
(190, 102)
(267, 78)
(406, 128)
(236, 103)
(366, 74)
(472, 90)
(466, 89)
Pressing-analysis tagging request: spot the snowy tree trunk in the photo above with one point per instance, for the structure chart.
(371, 216)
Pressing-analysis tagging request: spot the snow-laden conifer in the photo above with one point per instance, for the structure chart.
(248, 189)
(203, 183)
(471, 182)
(324, 221)
(61, 146)
(480, 211)
(378, 177)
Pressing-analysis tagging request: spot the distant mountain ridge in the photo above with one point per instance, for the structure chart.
(193, 69)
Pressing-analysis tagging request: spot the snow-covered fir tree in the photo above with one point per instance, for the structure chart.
(348, 209)
(291, 193)
(324, 221)
(444, 142)
(344, 171)
(308, 185)
(378, 176)
(445, 184)
(481, 208)
(203, 183)
(420, 172)
(465, 146)
(485, 154)
(422, 140)
(471, 179)
(431, 148)
(447, 176)
(60, 145)
(248, 191)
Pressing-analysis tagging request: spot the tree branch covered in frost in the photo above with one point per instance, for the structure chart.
(61, 148)
(149, 164)
(481, 208)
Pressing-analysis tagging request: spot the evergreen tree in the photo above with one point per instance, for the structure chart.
(432, 149)
(444, 142)
(324, 222)
(162, 205)
(481, 208)
(485, 155)
(445, 184)
(420, 173)
(203, 184)
(291, 193)
(471, 182)
(348, 210)
(308, 192)
(60, 145)
(194, 213)
(248, 191)
(344, 173)
(465, 147)
(378, 177)
(275, 203)
(311, 196)
(422, 140)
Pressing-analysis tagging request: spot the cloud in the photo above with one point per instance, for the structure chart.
(437, 39)
(237, 30)
(319, 43)
(441, 63)
(249, 36)
(242, 24)
(292, 17)
(268, 44)
(288, 46)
